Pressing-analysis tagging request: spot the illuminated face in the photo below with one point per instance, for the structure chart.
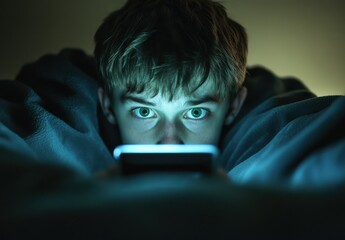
(194, 119)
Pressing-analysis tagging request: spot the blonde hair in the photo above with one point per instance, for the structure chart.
(170, 45)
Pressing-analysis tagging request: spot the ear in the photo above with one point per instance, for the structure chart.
(236, 106)
(106, 106)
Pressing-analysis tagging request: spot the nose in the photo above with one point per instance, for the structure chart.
(170, 134)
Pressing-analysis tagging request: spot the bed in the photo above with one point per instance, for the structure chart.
(284, 158)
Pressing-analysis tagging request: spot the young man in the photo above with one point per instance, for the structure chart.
(172, 71)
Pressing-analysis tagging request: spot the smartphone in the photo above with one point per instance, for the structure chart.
(136, 159)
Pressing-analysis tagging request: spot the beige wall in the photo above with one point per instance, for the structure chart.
(302, 38)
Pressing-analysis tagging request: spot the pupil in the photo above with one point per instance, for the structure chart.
(196, 113)
(144, 112)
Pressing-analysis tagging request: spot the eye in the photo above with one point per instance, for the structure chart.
(144, 113)
(196, 114)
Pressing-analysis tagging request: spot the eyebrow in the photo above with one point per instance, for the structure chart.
(203, 99)
(126, 98)
(199, 100)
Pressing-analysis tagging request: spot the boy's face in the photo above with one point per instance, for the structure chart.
(194, 119)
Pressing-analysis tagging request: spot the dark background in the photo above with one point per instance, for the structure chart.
(302, 38)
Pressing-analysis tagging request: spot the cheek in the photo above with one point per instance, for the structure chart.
(140, 126)
(208, 135)
(204, 133)
(131, 136)
(137, 131)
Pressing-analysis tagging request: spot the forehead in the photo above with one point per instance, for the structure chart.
(208, 88)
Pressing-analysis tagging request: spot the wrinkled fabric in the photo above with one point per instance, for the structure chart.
(299, 143)
(53, 110)
(284, 155)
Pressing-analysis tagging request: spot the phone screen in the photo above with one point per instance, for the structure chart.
(135, 159)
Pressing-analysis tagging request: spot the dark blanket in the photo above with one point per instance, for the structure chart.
(292, 138)
(53, 138)
(52, 109)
